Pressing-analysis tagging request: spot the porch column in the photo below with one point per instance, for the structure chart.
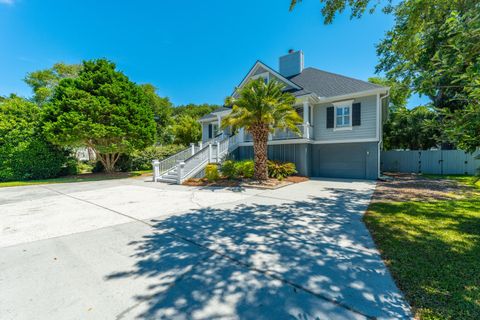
(241, 135)
(306, 116)
(219, 122)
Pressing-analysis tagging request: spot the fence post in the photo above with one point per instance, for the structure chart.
(210, 153)
(192, 146)
(181, 166)
(156, 170)
(200, 145)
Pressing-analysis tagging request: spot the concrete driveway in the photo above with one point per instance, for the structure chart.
(130, 249)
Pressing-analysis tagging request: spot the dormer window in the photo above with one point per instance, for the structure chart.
(265, 76)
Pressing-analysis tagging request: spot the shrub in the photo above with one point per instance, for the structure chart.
(228, 169)
(280, 170)
(142, 159)
(31, 159)
(211, 172)
(84, 167)
(245, 168)
(72, 167)
(24, 152)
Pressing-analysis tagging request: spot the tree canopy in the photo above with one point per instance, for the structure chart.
(43, 82)
(330, 8)
(162, 110)
(102, 109)
(433, 50)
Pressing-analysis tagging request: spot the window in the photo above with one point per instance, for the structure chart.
(264, 75)
(215, 129)
(343, 115)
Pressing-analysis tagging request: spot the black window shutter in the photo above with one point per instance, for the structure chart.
(356, 114)
(210, 131)
(330, 117)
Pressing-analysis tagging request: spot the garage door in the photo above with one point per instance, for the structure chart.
(345, 160)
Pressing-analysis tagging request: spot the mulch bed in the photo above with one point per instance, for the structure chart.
(245, 183)
(407, 187)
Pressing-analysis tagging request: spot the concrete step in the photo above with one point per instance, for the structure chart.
(167, 180)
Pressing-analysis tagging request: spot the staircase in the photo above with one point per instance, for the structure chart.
(189, 162)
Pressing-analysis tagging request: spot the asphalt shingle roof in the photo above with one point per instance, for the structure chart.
(212, 114)
(327, 84)
(322, 83)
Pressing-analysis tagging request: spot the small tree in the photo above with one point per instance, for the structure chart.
(101, 109)
(261, 108)
(187, 130)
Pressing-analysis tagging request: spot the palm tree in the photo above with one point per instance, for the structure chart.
(260, 108)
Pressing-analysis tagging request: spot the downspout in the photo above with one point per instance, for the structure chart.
(380, 135)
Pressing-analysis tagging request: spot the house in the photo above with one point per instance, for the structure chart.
(341, 133)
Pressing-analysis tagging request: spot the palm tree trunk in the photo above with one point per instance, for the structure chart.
(260, 145)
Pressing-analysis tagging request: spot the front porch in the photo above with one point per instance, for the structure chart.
(211, 126)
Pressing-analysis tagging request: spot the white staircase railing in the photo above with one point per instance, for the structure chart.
(165, 165)
(191, 161)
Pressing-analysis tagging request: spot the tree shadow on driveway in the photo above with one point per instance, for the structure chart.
(274, 259)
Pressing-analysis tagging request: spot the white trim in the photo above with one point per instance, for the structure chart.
(264, 75)
(345, 141)
(296, 141)
(346, 128)
(274, 142)
(353, 95)
(343, 104)
(264, 66)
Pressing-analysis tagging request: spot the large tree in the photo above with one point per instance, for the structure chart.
(330, 8)
(433, 49)
(261, 108)
(43, 82)
(101, 109)
(162, 111)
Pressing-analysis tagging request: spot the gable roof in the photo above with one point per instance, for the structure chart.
(212, 115)
(311, 80)
(326, 84)
(260, 64)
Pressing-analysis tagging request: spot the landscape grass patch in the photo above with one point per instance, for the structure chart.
(432, 249)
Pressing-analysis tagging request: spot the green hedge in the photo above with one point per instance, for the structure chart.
(244, 169)
(24, 152)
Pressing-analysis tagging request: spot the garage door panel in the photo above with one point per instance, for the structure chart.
(349, 160)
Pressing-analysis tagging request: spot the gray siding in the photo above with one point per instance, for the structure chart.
(204, 131)
(345, 160)
(296, 153)
(367, 129)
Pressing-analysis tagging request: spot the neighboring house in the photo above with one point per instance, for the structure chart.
(342, 121)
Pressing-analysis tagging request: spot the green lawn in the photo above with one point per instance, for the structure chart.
(76, 178)
(473, 181)
(432, 249)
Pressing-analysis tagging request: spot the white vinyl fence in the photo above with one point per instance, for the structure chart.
(431, 162)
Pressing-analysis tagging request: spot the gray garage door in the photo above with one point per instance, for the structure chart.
(345, 160)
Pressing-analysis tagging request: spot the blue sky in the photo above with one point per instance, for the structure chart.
(192, 51)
